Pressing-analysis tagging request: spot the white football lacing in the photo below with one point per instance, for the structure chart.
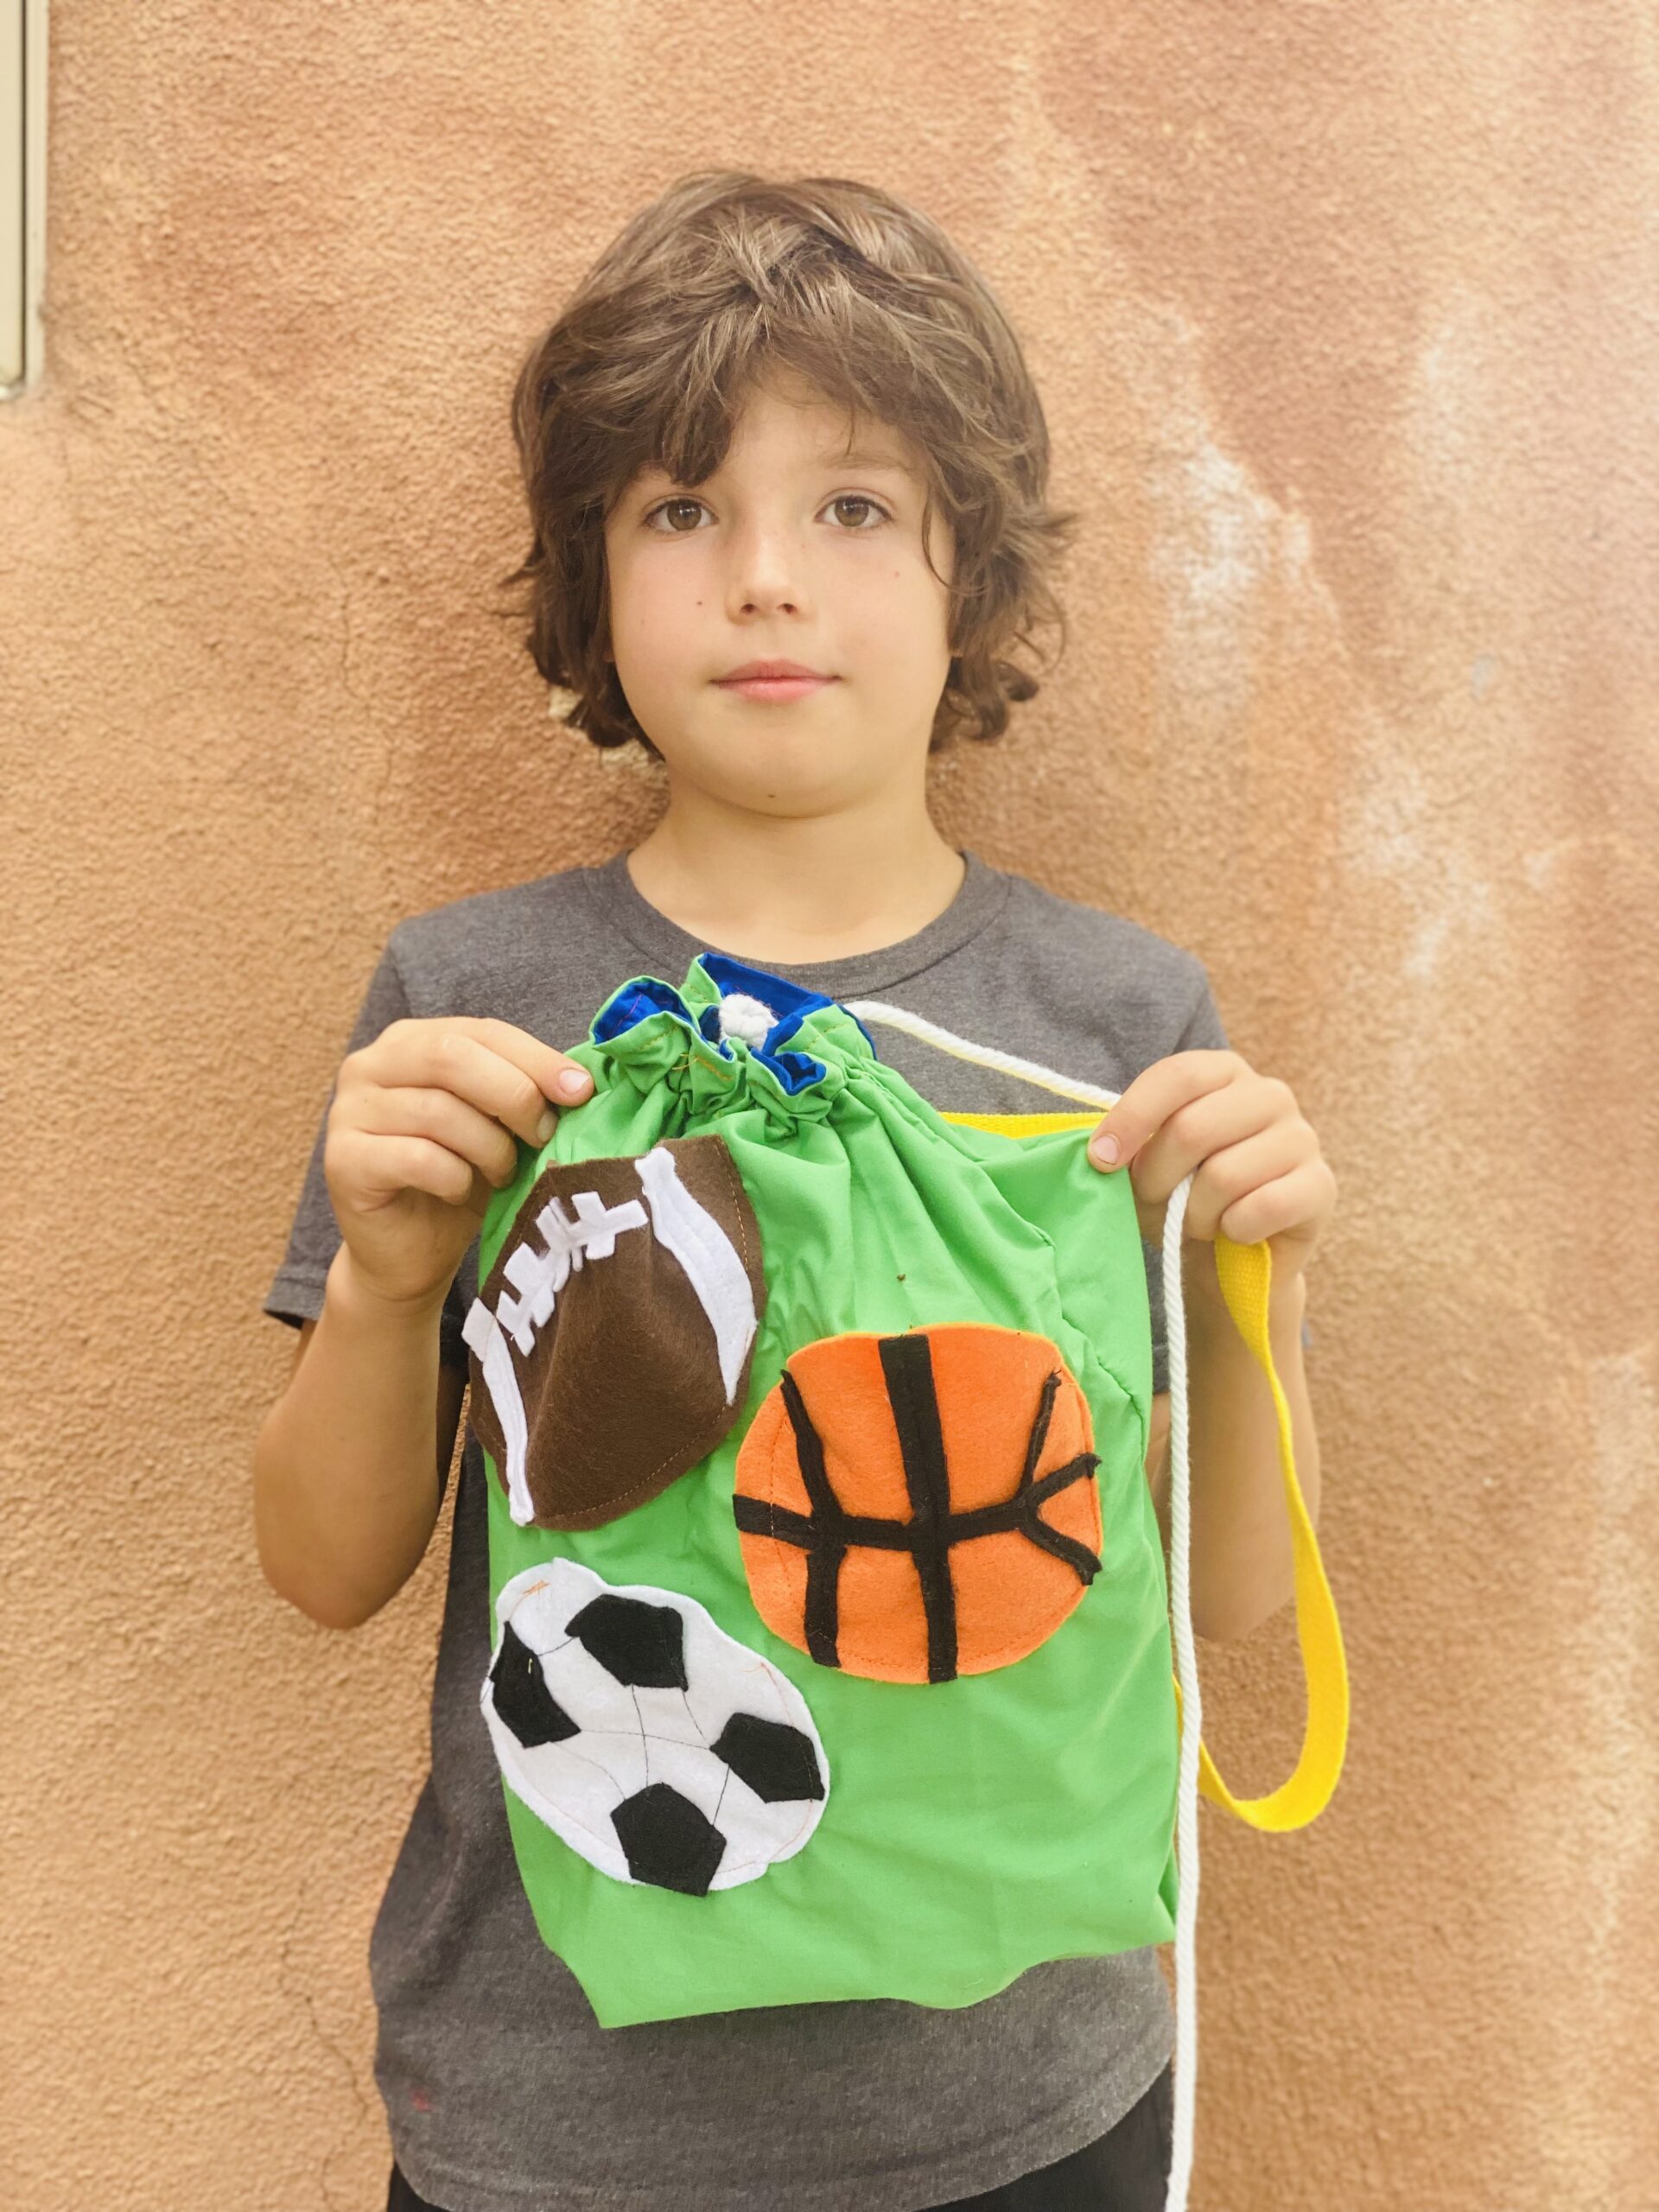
(685, 1228)
(1186, 1795)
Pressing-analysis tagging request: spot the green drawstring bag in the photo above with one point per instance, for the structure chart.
(831, 1647)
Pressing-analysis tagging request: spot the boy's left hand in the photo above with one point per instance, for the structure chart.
(1260, 1172)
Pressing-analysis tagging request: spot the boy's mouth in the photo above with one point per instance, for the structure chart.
(775, 686)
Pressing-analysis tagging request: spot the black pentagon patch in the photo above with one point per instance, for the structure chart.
(522, 1698)
(642, 1645)
(777, 1761)
(668, 1842)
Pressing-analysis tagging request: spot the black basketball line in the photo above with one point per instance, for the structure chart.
(879, 1535)
(827, 1530)
(1039, 1427)
(828, 1548)
(907, 1364)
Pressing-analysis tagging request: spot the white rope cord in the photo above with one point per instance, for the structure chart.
(1186, 1791)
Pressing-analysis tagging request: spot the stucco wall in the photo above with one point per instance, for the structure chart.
(1346, 320)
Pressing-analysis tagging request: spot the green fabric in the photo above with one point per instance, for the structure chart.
(973, 1827)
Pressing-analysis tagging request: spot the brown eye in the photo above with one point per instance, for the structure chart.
(857, 499)
(870, 514)
(671, 507)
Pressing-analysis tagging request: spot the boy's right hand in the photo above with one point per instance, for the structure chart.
(420, 1132)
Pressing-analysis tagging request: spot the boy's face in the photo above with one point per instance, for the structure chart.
(789, 551)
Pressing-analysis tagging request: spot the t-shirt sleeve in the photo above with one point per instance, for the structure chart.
(1202, 1032)
(297, 1290)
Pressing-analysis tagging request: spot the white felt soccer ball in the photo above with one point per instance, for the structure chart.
(655, 1744)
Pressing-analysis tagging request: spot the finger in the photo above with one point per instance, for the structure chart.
(478, 1139)
(1298, 1201)
(1231, 1178)
(379, 1168)
(1201, 1130)
(1157, 1092)
(561, 1078)
(490, 1065)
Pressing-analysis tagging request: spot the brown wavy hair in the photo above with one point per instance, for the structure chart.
(724, 278)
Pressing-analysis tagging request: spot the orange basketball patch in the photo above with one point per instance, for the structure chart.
(912, 1508)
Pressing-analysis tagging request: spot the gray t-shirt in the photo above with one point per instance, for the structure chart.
(503, 2094)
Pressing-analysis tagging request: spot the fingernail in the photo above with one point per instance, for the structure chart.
(573, 1082)
(1104, 1149)
(545, 1127)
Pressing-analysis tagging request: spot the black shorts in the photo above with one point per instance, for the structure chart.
(1126, 2170)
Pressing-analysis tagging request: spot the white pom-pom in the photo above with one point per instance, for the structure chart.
(750, 1018)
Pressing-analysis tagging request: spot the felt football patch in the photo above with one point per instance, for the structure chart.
(611, 1341)
(655, 1744)
(912, 1508)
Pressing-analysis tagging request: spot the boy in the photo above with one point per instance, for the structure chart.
(786, 471)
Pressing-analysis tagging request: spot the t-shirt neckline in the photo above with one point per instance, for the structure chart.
(981, 897)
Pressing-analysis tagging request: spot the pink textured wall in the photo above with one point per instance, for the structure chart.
(1345, 319)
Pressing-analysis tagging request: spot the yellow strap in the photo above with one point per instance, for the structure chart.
(1245, 1274)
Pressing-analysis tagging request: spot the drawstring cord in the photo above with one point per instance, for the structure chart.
(1191, 1718)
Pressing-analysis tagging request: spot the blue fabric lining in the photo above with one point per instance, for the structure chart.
(645, 996)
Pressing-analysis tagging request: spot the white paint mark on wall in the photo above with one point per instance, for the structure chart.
(1215, 546)
(1392, 830)
(1469, 906)
(1224, 555)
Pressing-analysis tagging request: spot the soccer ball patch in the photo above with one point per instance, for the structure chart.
(658, 1746)
(611, 1341)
